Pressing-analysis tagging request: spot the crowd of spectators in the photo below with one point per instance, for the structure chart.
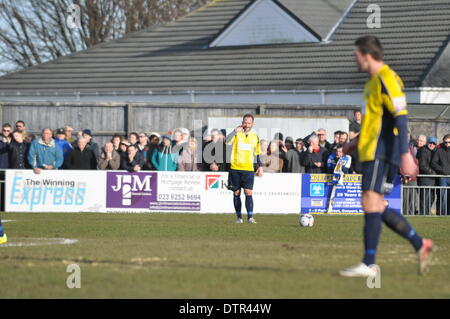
(433, 158)
(60, 149)
(177, 150)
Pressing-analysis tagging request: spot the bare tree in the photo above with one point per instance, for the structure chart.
(36, 31)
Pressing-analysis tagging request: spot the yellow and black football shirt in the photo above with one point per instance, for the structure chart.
(384, 100)
(245, 148)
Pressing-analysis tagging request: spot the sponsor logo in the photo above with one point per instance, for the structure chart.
(32, 192)
(316, 202)
(214, 181)
(317, 189)
(135, 190)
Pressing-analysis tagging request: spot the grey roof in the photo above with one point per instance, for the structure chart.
(319, 15)
(176, 57)
(439, 75)
(429, 111)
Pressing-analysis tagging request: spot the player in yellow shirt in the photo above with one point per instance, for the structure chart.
(242, 172)
(383, 148)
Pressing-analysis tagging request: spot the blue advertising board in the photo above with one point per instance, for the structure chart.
(317, 189)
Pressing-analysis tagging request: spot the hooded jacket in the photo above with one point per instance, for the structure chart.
(164, 159)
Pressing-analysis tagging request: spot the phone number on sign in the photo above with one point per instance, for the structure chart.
(179, 197)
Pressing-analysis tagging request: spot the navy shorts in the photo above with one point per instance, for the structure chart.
(241, 179)
(378, 176)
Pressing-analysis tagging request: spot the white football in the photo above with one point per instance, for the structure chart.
(307, 220)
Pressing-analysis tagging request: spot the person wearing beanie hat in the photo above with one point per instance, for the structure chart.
(289, 139)
(424, 156)
(185, 134)
(62, 143)
(154, 134)
(87, 134)
(432, 140)
(166, 137)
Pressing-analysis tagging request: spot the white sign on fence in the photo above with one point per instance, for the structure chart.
(55, 191)
(273, 194)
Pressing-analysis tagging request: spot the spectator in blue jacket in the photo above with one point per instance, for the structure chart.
(335, 157)
(44, 154)
(62, 143)
(164, 158)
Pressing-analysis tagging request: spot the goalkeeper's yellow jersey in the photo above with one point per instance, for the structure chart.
(384, 101)
(245, 148)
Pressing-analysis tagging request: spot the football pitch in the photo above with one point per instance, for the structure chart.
(159, 255)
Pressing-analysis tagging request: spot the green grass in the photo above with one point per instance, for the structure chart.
(208, 256)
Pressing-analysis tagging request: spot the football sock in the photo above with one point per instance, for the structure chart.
(398, 223)
(249, 206)
(1, 229)
(372, 230)
(237, 205)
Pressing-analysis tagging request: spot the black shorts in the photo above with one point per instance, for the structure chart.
(241, 179)
(378, 176)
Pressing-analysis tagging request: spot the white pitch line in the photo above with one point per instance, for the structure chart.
(7, 220)
(41, 242)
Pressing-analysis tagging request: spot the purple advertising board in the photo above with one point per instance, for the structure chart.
(151, 191)
(131, 190)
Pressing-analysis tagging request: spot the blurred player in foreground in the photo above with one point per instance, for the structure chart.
(3, 238)
(383, 149)
(242, 172)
